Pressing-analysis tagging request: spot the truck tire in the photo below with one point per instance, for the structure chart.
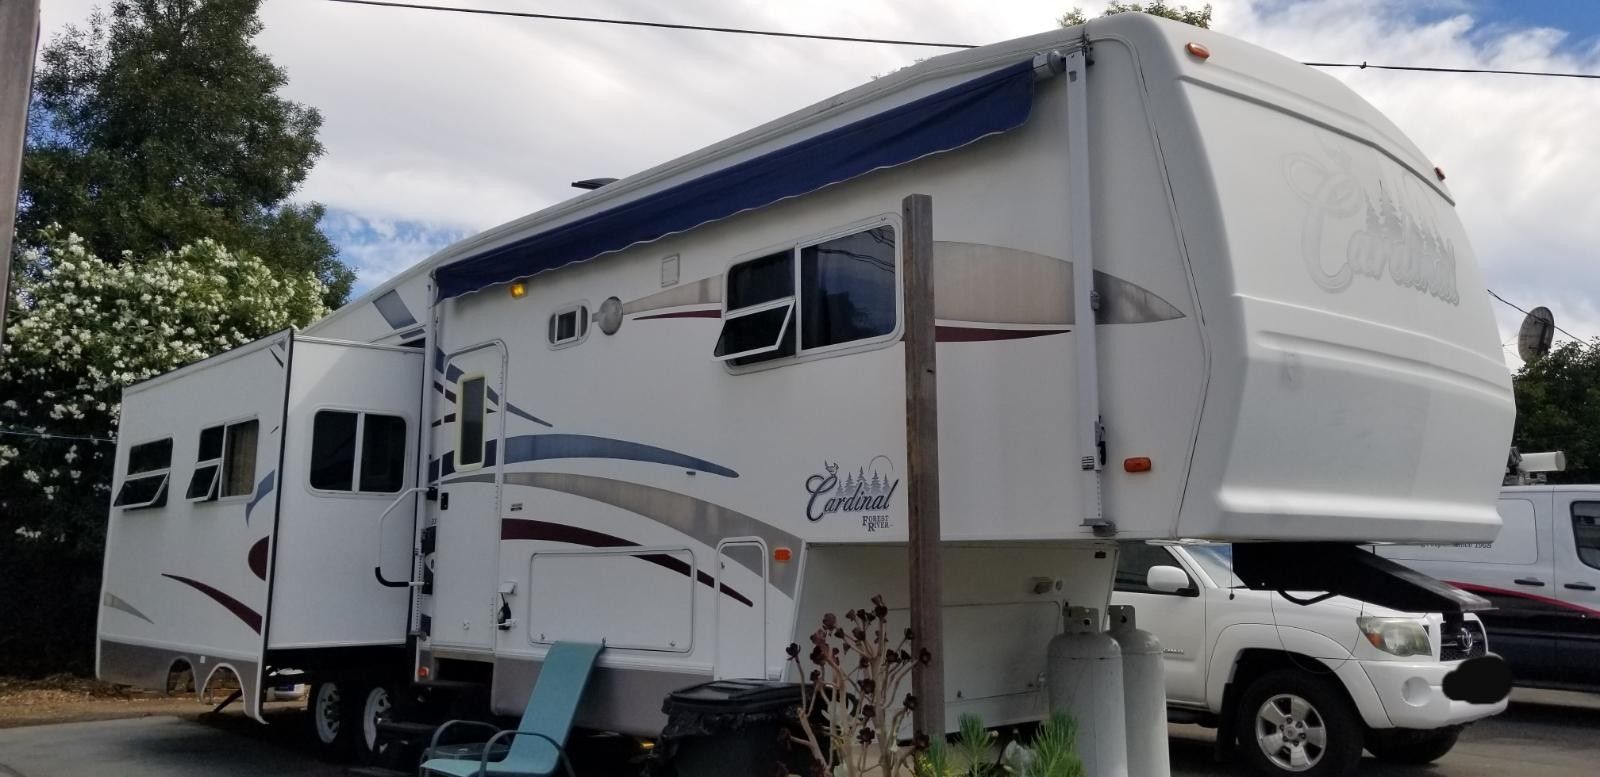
(1295, 723)
(1411, 746)
(329, 718)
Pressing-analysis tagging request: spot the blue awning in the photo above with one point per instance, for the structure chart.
(942, 121)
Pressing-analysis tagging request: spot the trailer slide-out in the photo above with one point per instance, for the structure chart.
(669, 414)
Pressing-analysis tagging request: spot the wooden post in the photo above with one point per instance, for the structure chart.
(19, 38)
(922, 465)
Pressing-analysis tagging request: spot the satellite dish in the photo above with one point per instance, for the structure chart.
(1538, 330)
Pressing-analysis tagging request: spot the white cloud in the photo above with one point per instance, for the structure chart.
(462, 122)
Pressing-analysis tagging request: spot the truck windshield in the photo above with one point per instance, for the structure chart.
(1217, 561)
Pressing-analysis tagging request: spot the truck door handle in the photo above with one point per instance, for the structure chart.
(1529, 581)
(1580, 586)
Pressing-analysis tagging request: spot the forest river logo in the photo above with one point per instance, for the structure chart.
(1352, 228)
(868, 492)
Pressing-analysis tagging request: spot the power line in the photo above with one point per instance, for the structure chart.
(893, 41)
(1518, 308)
(660, 25)
(55, 436)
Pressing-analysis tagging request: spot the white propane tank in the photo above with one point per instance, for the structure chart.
(1083, 677)
(1144, 695)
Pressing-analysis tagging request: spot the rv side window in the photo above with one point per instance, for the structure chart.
(208, 466)
(335, 458)
(469, 423)
(239, 458)
(569, 326)
(758, 325)
(333, 450)
(847, 288)
(145, 484)
(1586, 532)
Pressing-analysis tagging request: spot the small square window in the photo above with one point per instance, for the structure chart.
(569, 326)
(383, 453)
(333, 450)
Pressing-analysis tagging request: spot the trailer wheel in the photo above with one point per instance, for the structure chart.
(377, 701)
(327, 715)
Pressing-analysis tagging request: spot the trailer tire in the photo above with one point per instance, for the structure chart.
(328, 715)
(375, 702)
(1310, 730)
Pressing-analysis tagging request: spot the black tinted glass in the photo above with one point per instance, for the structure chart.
(470, 415)
(383, 453)
(333, 450)
(566, 326)
(150, 456)
(757, 330)
(210, 444)
(761, 280)
(138, 491)
(1586, 532)
(847, 288)
(1134, 560)
(203, 483)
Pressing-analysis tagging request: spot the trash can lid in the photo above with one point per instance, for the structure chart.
(729, 696)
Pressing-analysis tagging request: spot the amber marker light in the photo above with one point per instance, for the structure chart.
(518, 291)
(1197, 50)
(1136, 464)
(782, 554)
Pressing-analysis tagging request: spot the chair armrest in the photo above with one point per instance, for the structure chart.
(561, 752)
(434, 742)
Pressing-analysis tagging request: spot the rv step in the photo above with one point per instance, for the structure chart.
(375, 771)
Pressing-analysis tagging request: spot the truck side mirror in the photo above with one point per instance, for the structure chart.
(1169, 580)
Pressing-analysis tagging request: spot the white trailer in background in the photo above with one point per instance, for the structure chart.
(669, 414)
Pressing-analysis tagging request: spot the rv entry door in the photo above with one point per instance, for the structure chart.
(467, 443)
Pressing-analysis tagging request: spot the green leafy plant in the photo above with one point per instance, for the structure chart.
(1055, 748)
(972, 742)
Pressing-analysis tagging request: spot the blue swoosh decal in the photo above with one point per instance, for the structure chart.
(262, 489)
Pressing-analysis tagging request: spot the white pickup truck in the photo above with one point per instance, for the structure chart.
(1300, 689)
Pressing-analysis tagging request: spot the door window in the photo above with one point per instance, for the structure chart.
(1134, 560)
(469, 422)
(1586, 532)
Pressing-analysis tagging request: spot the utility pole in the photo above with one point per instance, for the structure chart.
(922, 467)
(19, 40)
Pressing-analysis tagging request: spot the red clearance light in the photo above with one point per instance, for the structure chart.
(1136, 464)
(782, 554)
(422, 672)
(1198, 50)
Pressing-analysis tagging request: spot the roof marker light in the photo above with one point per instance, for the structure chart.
(518, 291)
(1198, 50)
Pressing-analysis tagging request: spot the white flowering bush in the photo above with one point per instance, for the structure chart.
(79, 330)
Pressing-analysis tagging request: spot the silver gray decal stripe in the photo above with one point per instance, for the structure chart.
(980, 283)
(117, 603)
(701, 292)
(704, 521)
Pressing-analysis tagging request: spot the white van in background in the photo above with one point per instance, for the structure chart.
(1543, 575)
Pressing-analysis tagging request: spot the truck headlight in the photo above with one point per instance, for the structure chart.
(1396, 636)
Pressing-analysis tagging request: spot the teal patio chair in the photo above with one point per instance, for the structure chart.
(538, 746)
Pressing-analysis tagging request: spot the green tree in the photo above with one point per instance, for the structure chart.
(161, 124)
(80, 329)
(1178, 13)
(1558, 408)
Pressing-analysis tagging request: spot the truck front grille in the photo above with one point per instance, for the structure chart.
(1459, 644)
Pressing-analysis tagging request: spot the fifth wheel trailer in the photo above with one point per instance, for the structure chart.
(668, 414)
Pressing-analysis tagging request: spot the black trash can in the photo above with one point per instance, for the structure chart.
(734, 728)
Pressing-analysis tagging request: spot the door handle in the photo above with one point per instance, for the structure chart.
(1580, 586)
(1536, 583)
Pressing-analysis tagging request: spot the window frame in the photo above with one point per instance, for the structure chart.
(163, 491)
(797, 317)
(582, 325)
(360, 450)
(789, 303)
(483, 452)
(1572, 517)
(222, 466)
(216, 474)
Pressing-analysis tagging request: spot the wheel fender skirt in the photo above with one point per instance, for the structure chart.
(1347, 570)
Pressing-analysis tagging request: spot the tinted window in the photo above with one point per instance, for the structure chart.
(150, 456)
(754, 331)
(148, 491)
(1134, 560)
(203, 483)
(333, 450)
(761, 280)
(1586, 532)
(469, 414)
(383, 453)
(210, 444)
(847, 288)
(239, 458)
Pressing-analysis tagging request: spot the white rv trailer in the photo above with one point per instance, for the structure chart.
(669, 413)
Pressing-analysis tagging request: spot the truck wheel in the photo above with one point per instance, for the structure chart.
(1295, 723)
(376, 702)
(1410, 746)
(328, 715)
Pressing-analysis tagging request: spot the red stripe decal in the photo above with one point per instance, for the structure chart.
(683, 314)
(250, 617)
(972, 334)
(528, 529)
(258, 558)
(1484, 589)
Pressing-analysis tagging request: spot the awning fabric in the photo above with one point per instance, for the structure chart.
(954, 117)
